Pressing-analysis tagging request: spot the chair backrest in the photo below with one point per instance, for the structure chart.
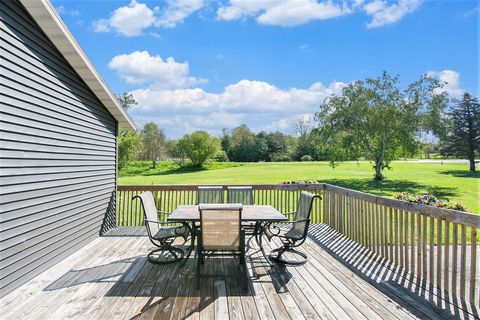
(243, 195)
(149, 212)
(210, 194)
(302, 214)
(220, 226)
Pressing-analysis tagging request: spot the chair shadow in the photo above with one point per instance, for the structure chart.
(399, 285)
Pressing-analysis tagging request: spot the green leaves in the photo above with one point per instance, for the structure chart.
(199, 147)
(376, 120)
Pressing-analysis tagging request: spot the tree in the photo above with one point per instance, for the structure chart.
(243, 146)
(153, 140)
(378, 121)
(463, 138)
(126, 100)
(199, 147)
(305, 143)
(277, 146)
(176, 152)
(127, 148)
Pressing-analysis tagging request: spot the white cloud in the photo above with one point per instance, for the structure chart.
(451, 82)
(289, 13)
(384, 14)
(133, 19)
(140, 67)
(259, 104)
(129, 21)
(282, 12)
(177, 11)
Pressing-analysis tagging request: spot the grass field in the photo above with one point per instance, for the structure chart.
(450, 181)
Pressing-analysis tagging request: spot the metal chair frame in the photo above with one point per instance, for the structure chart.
(164, 244)
(290, 242)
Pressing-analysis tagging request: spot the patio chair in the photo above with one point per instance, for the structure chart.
(210, 194)
(161, 234)
(220, 234)
(292, 234)
(243, 195)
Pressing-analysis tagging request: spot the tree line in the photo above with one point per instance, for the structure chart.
(372, 119)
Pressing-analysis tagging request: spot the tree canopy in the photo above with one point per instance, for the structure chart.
(376, 120)
(126, 100)
(198, 147)
(463, 138)
(153, 140)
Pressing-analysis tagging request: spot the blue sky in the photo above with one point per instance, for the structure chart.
(206, 65)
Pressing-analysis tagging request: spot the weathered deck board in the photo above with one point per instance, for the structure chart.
(111, 279)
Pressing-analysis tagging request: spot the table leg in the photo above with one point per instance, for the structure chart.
(192, 239)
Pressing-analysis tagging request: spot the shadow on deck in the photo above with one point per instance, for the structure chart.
(111, 279)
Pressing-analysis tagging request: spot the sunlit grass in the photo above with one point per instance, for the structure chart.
(450, 181)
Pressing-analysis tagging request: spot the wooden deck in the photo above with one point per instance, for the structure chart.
(111, 279)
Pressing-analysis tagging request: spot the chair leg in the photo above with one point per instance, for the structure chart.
(276, 255)
(198, 271)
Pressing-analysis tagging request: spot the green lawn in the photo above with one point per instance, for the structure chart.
(448, 181)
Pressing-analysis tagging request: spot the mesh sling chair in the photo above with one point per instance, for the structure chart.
(210, 194)
(243, 195)
(220, 234)
(161, 234)
(293, 233)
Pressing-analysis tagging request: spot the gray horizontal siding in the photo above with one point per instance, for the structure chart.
(57, 153)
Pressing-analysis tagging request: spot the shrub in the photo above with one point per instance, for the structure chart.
(306, 158)
(429, 200)
(198, 147)
(221, 156)
(299, 181)
(280, 158)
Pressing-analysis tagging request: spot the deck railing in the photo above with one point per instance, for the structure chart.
(434, 247)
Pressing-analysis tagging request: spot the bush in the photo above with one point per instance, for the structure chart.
(198, 147)
(221, 156)
(429, 200)
(306, 158)
(280, 158)
(299, 182)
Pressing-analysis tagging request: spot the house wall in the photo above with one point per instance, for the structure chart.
(57, 153)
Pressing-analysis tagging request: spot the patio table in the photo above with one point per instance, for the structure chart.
(260, 214)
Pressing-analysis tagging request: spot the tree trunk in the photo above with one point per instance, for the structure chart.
(472, 163)
(154, 164)
(378, 170)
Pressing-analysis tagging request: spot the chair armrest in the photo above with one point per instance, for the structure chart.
(288, 213)
(160, 222)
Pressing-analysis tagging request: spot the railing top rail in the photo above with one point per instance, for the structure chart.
(454, 216)
(190, 187)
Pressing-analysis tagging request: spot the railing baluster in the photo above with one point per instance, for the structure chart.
(431, 254)
(390, 219)
(463, 261)
(454, 258)
(406, 265)
(424, 247)
(446, 265)
(412, 242)
(439, 253)
(473, 264)
(401, 240)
